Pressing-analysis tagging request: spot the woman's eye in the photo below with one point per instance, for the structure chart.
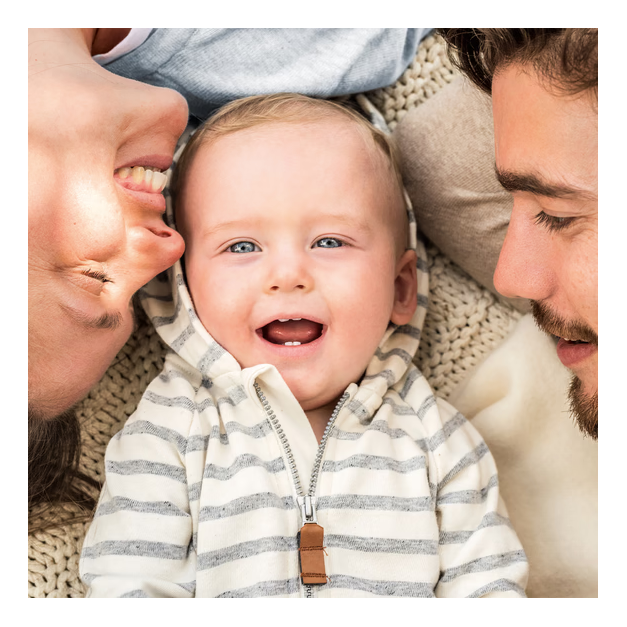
(243, 247)
(329, 242)
(98, 275)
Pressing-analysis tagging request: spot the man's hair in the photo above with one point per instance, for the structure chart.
(566, 58)
(255, 111)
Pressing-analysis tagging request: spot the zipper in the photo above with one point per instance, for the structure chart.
(306, 502)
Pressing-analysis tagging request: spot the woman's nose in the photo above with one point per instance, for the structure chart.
(155, 247)
(524, 267)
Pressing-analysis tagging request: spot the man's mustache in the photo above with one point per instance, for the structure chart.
(553, 324)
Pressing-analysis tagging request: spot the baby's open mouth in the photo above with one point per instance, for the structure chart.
(291, 332)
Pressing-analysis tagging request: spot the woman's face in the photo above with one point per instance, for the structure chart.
(94, 237)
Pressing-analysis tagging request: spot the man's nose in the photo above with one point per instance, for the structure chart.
(524, 267)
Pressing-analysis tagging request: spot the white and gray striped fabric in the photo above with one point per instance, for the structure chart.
(199, 499)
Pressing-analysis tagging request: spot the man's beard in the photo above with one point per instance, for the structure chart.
(584, 407)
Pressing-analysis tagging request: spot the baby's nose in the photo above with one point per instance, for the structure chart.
(289, 273)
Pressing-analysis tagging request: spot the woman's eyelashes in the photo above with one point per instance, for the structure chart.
(250, 247)
(99, 275)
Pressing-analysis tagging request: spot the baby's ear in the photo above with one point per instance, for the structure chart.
(405, 289)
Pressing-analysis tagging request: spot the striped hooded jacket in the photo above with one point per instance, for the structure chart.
(209, 482)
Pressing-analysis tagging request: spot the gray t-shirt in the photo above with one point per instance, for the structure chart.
(212, 66)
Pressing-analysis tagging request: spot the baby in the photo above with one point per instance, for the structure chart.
(290, 447)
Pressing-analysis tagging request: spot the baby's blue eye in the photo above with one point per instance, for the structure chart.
(243, 247)
(329, 242)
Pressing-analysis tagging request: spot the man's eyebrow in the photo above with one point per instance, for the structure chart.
(514, 182)
(105, 321)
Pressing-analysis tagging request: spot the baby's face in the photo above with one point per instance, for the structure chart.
(290, 255)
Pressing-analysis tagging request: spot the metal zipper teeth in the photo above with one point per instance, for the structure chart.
(323, 442)
(286, 446)
(279, 431)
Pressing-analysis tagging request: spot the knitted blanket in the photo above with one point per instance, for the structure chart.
(464, 323)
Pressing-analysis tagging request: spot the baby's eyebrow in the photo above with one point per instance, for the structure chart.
(230, 224)
(349, 220)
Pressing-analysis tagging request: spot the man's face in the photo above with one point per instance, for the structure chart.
(546, 156)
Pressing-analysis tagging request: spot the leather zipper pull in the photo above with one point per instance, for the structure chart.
(311, 549)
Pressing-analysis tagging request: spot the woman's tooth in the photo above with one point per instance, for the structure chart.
(158, 181)
(153, 180)
(138, 174)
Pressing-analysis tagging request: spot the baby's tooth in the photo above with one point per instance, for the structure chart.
(296, 318)
(138, 174)
(295, 343)
(124, 173)
(283, 319)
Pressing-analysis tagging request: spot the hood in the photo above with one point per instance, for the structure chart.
(169, 306)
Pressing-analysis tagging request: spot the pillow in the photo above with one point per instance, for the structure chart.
(447, 153)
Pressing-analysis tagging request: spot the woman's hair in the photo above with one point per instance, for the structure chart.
(54, 447)
(567, 58)
(254, 111)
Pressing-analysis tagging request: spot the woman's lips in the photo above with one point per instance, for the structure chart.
(150, 200)
(141, 179)
(144, 184)
(156, 161)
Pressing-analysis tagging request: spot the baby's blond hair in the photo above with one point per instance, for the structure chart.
(253, 111)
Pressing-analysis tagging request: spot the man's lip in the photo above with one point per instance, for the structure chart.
(157, 161)
(571, 354)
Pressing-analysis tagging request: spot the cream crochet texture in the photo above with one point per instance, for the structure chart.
(464, 323)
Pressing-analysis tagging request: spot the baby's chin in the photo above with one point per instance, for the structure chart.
(314, 400)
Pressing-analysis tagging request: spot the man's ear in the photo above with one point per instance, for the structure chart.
(405, 289)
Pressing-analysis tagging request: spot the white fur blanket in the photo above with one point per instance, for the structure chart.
(547, 469)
